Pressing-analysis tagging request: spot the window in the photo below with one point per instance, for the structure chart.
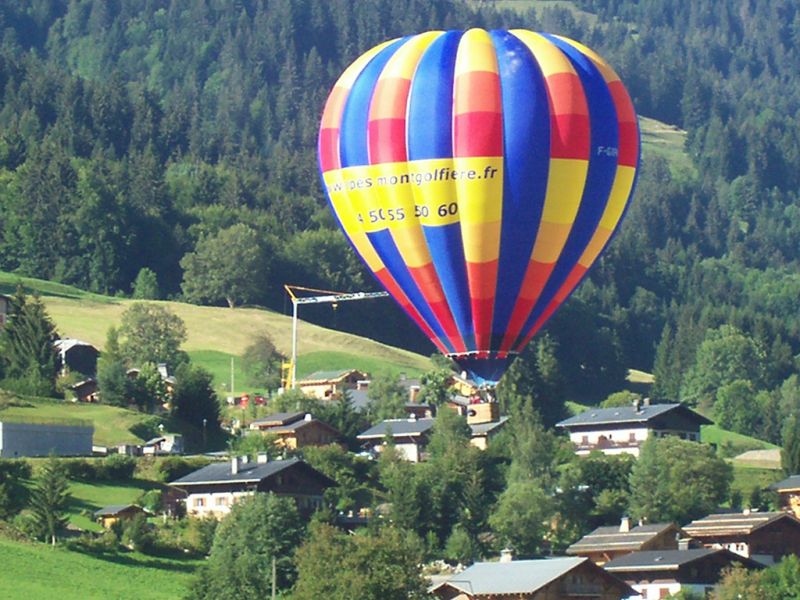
(221, 501)
(632, 436)
(199, 502)
(585, 439)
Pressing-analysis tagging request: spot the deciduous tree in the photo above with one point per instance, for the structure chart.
(152, 333)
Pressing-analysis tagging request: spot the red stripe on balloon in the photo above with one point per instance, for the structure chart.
(478, 134)
(429, 285)
(573, 279)
(535, 279)
(390, 285)
(628, 144)
(387, 140)
(329, 149)
(570, 136)
(482, 278)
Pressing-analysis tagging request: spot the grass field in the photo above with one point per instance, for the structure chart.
(93, 496)
(714, 434)
(215, 334)
(111, 424)
(36, 571)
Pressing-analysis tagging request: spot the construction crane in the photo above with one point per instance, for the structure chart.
(329, 297)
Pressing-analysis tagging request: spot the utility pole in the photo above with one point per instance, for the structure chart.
(329, 297)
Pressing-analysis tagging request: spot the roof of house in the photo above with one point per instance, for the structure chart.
(515, 577)
(398, 427)
(318, 377)
(611, 538)
(628, 414)
(249, 472)
(293, 426)
(484, 428)
(789, 484)
(67, 344)
(669, 560)
(280, 418)
(115, 509)
(741, 524)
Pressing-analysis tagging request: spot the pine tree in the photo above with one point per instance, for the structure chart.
(28, 353)
(49, 500)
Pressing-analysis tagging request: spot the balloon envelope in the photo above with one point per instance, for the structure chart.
(479, 174)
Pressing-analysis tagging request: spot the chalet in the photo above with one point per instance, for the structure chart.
(76, 356)
(5, 309)
(623, 430)
(410, 436)
(214, 489)
(763, 536)
(361, 402)
(571, 577)
(109, 515)
(326, 384)
(482, 433)
(789, 493)
(295, 430)
(171, 443)
(85, 391)
(662, 573)
(607, 543)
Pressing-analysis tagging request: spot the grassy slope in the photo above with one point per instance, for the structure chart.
(41, 572)
(217, 334)
(93, 496)
(111, 424)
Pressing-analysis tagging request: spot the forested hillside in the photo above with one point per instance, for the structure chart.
(134, 134)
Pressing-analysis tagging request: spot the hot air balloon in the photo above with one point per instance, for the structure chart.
(479, 174)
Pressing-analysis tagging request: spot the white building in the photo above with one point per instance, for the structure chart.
(623, 429)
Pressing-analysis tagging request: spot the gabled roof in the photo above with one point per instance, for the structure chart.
(611, 538)
(790, 484)
(670, 560)
(628, 415)
(249, 472)
(515, 577)
(318, 377)
(740, 524)
(67, 344)
(398, 428)
(484, 428)
(281, 418)
(115, 509)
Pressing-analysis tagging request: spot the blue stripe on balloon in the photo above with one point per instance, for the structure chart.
(429, 132)
(526, 137)
(387, 250)
(353, 149)
(430, 103)
(599, 179)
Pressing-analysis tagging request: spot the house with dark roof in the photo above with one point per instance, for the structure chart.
(661, 573)
(295, 430)
(572, 577)
(76, 356)
(763, 536)
(623, 429)
(108, 515)
(483, 432)
(214, 489)
(410, 436)
(609, 542)
(326, 384)
(789, 492)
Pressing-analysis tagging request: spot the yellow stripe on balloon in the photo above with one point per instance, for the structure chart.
(550, 240)
(565, 183)
(618, 197)
(481, 241)
(550, 59)
(404, 62)
(476, 53)
(332, 114)
(605, 69)
(595, 246)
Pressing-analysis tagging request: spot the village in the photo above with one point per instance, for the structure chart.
(627, 559)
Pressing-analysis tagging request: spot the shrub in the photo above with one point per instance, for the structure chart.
(118, 466)
(78, 468)
(175, 467)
